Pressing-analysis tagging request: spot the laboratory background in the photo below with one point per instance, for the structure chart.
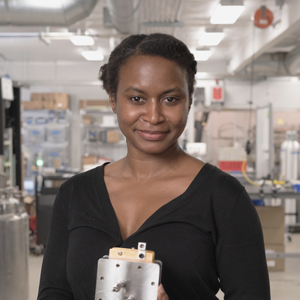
(56, 120)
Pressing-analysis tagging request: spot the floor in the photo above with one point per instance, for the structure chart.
(284, 285)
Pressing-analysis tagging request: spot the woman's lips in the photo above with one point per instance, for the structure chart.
(152, 135)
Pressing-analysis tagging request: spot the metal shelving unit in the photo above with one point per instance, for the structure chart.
(46, 138)
(94, 139)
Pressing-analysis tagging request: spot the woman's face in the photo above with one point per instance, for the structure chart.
(152, 103)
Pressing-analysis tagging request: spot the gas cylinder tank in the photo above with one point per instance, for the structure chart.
(283, 149)
(291, 163)
(14, 250)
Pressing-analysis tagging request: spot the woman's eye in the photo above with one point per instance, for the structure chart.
(136, 99)
(170, 99)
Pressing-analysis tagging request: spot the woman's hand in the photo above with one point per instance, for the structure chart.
(161, 294)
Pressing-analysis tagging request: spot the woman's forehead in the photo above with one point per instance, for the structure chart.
(138, 59)
(144, 69)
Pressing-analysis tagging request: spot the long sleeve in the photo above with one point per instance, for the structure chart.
(240, 254)
(53, 282)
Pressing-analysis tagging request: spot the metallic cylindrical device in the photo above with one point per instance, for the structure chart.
(292, 156)
(283, 149)
(14, 248)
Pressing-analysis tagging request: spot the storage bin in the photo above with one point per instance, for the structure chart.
(35, 133)
(56, 133)
(55, 155)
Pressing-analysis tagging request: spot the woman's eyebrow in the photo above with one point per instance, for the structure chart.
(141, 91)
(134, 89)
(171, 90)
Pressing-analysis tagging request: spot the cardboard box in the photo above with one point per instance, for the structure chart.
(42, 100)
(56, 163)
(89, 160)
(57, 183)
(112, 136)
(47, 101)
(36, 97)
(31, 105)
(273, 236)
(272, 222)
(86, 119)
(275, 264)
(51, 100)
(109, 136)
(94, 104)
(60, 101)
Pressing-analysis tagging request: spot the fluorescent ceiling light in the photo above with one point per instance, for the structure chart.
(92, 55)
(58, 34)
(202, 55)
(82, 40)
(211, 38)
(226, 14)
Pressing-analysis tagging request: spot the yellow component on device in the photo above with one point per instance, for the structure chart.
(131, 255)
(246, 176)
(279, 182)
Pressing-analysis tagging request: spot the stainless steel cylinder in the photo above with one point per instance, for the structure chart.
(1, 163)
(14, 248)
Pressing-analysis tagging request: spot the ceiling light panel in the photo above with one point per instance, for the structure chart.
(210, 38)
(202, 55)
(92, 55)
(226, 14)
(82, 40)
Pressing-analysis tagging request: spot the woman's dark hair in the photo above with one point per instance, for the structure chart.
(156, 44)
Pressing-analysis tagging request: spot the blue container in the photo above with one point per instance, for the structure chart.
(296, 188)
(258, 202)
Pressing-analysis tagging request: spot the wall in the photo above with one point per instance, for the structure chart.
(283, 93)
(79, 80)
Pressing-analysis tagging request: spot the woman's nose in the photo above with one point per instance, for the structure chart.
(154, 112)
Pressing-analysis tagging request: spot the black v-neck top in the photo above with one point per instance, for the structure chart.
(207, 238)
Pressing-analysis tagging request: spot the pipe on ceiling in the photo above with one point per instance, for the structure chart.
(144, 16)
(292, 62)
(275, 64)
(124, 15)
(268, 64)
(44, 12)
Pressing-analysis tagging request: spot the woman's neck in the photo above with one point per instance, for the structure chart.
(141, 166)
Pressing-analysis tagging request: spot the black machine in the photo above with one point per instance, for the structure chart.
(45, 198)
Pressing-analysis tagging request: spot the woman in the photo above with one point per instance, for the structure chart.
(199, 221)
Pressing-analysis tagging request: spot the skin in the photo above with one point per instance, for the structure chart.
(152, 105)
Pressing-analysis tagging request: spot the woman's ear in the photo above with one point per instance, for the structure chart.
(112, 101)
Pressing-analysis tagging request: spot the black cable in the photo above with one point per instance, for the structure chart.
(248, 144)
